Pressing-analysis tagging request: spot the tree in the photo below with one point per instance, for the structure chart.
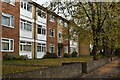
(98, 20)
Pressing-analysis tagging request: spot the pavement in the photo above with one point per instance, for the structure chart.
(110, 70)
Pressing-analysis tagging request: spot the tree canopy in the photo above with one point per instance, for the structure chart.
(95, 22)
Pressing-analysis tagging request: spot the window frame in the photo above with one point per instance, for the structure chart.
(51, 45)
(24, 44)
(25, 6)
(51, 18)
(25, 28)
(41, 14)
(60, 34)
(42, 30)
(12, 2)
(60, 21)
(11, 17)
(9, 42)
(42, 47)
(65, 24)
(50, 32)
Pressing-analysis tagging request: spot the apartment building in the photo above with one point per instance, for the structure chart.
(10, 26)
(30, 29)
(55, 28)
(51, 25)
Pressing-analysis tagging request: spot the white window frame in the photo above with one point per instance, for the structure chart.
(26, 23)
(10, 16)
(43, 30)
(12, 2)
(52, 45)
(9, 40)
(60, 33)
(65, 24)
(43, 47)
(24, 44)
(60, 22)
(25, 6)
(51, 18)
(42, 14)
(50, 32)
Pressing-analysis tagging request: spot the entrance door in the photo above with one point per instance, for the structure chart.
(59, 51)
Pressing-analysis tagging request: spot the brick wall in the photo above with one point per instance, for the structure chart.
(51, 40)
(12, 32)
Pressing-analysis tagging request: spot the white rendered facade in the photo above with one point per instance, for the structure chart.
(27, 31)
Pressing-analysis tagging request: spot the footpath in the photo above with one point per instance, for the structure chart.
(110, 70)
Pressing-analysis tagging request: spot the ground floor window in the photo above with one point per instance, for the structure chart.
(52, 48)
(25, 46)
(41, 47)
(65, 49)
(7, 44)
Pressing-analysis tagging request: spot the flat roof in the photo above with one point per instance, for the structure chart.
(46, 10)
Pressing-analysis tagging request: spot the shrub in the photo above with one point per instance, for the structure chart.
(74, 54)
(10, 56)
(66, 55)
(50, 55)
(23, 57)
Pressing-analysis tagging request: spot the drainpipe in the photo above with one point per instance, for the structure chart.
(35, 33)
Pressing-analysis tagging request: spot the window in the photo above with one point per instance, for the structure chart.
(65, 24)
(25, 25)
(52, 32)
(41, 47)
(60, 22)
(29, 7)
(7, 20)
(60, 35)
(41, 30)
(10, 1)
(41, 14)
(44, 31)
(7, 44)
(65, 49)
(25, 46)
(51, 18)
(26, 6)
(52, 48)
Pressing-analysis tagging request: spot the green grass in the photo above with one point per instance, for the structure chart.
(9, 67)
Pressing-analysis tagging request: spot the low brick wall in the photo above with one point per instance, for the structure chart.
(66, 71)
(92, 65)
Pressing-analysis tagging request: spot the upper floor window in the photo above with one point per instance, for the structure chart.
(41, 30)
(41, 14)
(7, 20)
(65, 24)
(51, 18)
(52, 33)
(60, 35)
(25, 25)
(26, 6)
(60, 22)
(25, 46)
(7, 44)
(10, 1)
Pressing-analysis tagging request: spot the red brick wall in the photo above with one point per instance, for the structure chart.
(0, 27)
(51, 40)
(12, 32)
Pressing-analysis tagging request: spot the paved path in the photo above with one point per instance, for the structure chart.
(107, 71)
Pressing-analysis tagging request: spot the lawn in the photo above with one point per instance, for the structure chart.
(14, 66)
